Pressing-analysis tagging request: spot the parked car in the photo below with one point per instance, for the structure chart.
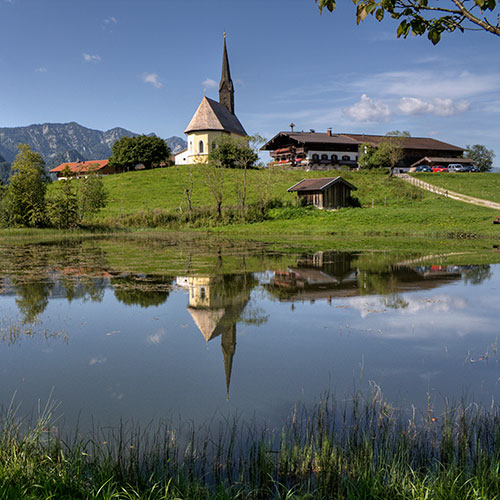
(456, 167)
(423, 168)
(470, 168)
(439, 168)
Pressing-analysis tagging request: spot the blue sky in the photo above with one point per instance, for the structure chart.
(144, 64)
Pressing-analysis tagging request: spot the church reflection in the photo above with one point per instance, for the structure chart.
(216, 304)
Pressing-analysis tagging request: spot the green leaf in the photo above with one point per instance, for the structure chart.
(434, 36)
(379, 14)
(361, 14)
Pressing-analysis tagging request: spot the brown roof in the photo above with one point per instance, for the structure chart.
(310, 138)
(81, 166)
(438, 159)
(325, 138)
(408, 142)
(318, 184)
(212, 115)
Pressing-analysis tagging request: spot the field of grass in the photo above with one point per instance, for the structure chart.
(480, 185)
(360, 449)
(164, 188)
(389, 206)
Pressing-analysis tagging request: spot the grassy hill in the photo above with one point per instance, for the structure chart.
(481, 185)
(389, 206)
(164, 188)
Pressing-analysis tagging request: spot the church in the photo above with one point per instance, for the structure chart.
(212, 120)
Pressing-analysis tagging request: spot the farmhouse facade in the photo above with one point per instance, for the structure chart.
(320, 151)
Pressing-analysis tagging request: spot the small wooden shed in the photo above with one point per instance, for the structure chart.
(325, 192)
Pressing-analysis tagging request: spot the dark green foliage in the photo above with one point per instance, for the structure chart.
(150, 151)
(421, 16)
(92, 196)
(232, 153)
(25, 200)
(62, 209)
(483, 157)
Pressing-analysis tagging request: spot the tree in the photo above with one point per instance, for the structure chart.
(387, 154)
(229, 152)
(62, 208)
(149, 150)
(482, 157)
(92, 196)
(421, 16)
(25, 203)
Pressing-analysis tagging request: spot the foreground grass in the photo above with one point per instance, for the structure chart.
(480, 185)
(364, 449)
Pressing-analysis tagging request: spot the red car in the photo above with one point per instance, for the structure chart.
(439, 168)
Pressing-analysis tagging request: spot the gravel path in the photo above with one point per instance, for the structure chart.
(449, 194)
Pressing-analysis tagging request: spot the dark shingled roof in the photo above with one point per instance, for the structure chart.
(318, 184)
(211, 115)
(311, 138)
(408, 142)
(323, 138)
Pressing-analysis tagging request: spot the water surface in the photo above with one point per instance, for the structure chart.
(153, 330)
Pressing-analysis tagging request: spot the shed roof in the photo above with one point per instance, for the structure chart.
(81, 166)
(319, 184)
(212, 115)
(439, 159)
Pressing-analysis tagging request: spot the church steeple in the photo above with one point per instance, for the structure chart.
(226, 87)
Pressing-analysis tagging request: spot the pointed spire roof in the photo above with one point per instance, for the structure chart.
(226, 87)
(212, 115)
(226, 72)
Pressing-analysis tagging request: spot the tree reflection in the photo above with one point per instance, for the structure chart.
(144, 291)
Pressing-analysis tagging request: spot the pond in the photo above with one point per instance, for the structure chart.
(149, 329)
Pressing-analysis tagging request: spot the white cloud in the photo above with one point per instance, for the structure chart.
(440, 107)
(111, 20)
(430, 84)
(209, 83)
(152, 78)
(91, 57)
(41, 70)
(368, 110)
(97, 361)
(157, 337)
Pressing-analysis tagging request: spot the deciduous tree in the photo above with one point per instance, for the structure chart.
(25, 203)
(482, 156)
(421, 17)
(150, 151)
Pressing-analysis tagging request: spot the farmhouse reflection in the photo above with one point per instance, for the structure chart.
(216, 304)
(329, 275)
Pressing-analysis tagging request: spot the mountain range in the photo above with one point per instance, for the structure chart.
(61, 142)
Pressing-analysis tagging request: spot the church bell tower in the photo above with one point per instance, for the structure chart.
(226, 87)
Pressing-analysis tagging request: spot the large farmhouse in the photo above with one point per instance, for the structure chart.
(211, 120)
(320, 151)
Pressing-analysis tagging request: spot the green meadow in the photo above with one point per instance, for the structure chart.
(480, 185)
(388, 206)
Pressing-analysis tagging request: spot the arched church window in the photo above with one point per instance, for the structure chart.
(201, 147)
(335, 157)
(345, 158)
(324, 157)
(315, 157)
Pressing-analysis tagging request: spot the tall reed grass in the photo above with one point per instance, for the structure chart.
(360, 449)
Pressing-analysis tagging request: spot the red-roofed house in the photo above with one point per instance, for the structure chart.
(79, 168)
